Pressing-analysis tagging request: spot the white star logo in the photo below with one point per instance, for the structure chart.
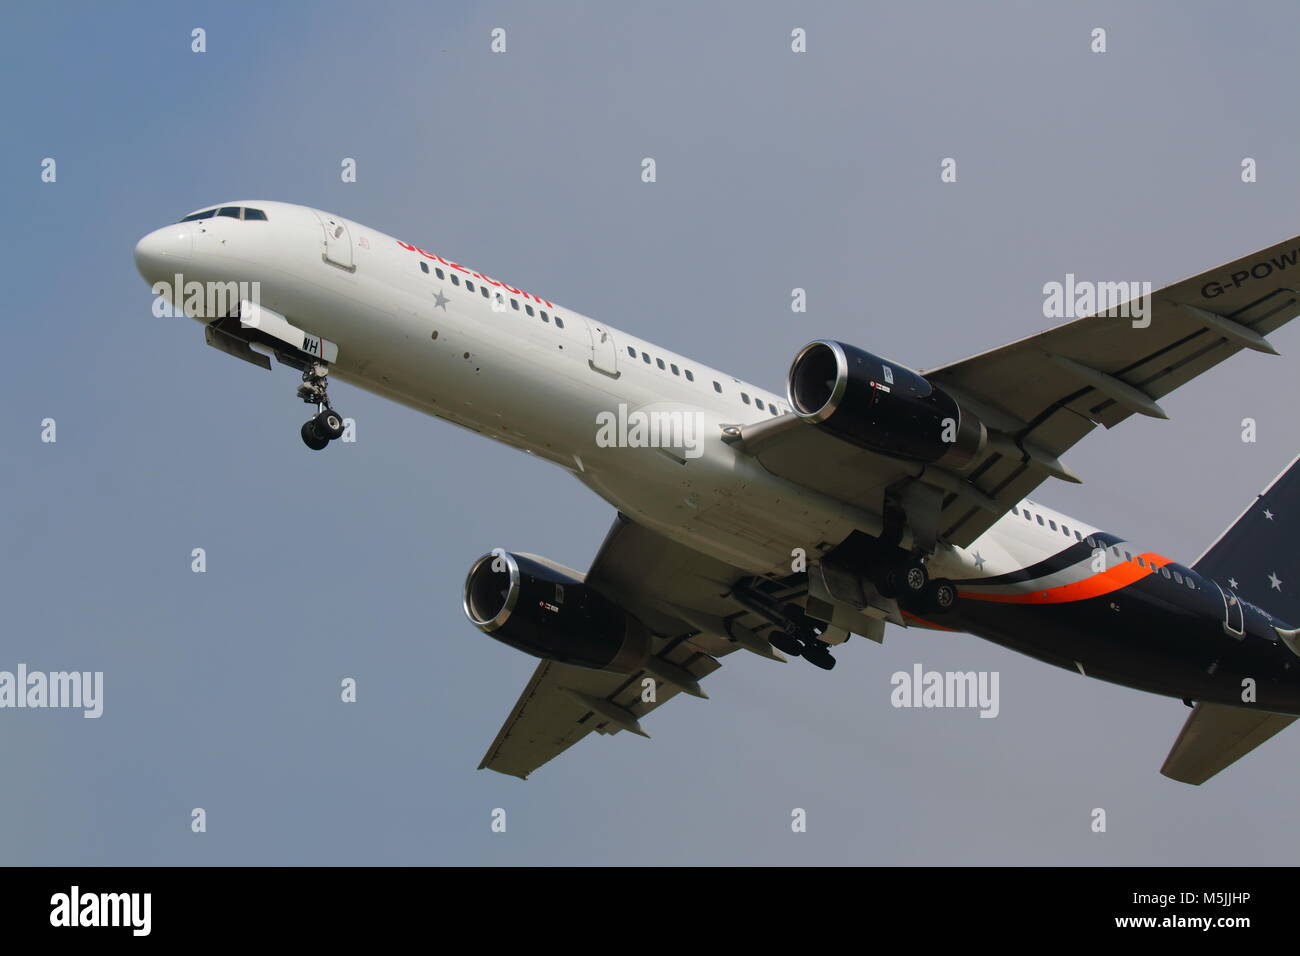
(440, 301)
(1274, 581)
(1232, 582)
(979, 561)
(1268, 514)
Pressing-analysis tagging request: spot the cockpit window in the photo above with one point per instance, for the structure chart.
(230, 212)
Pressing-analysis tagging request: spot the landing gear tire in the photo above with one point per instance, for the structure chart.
(943, 595)
(819, 657)
(913, 579)
(907, 581)
(784, 642)
(329, 424)
(311, 437)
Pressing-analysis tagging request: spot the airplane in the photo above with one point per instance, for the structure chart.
(781, 524)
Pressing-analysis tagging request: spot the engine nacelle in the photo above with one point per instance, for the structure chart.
(883, 407)
(545, 610)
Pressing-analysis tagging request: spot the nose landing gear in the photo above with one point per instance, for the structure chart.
(327, 424)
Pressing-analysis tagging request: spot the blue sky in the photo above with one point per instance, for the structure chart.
(775, 170)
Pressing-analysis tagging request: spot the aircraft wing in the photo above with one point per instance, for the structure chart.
(1042, 394)
(657, 580)
(1216, 736)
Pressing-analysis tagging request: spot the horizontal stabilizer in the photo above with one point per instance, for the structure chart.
(1216, 736)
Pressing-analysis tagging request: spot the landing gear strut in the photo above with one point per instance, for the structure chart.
(327, 424)
(794, 632)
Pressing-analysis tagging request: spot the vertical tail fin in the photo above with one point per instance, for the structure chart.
(1259, 555)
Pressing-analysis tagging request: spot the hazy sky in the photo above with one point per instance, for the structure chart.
(775, 170)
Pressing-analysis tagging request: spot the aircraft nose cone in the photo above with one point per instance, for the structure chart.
(161, 253)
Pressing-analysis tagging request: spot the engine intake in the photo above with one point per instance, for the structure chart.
(883, 407)
(546, 610)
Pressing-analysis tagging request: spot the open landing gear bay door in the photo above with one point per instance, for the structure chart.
(259, 325)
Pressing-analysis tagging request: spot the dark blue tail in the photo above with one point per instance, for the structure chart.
(1259, 555)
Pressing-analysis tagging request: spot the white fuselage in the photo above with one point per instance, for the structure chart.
(439, 345)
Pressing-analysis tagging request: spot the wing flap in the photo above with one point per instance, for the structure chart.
(562, 704)
(543, 723)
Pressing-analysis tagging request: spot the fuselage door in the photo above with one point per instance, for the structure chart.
(338, 243)
(1234, 619)
(604, 354)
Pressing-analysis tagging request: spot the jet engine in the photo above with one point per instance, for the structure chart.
(545, 609)
(886, 408)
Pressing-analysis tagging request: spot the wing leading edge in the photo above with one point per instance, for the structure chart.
(1041, 395)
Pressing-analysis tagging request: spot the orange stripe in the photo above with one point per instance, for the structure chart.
(1103, 582)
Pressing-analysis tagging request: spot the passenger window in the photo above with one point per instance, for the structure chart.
(455, 279)
(1127, 556)
(528, 309)
(717, 388)
(1077, 536)
(690, 376)
(1028, 516)
(759, 403)
(424, 267)
(744, 398)
(772, 409)
(484, 290)
(546, 318)
(1040, 518)
(645, 357)
(257, 214)
(514, 304)
(559, 322)
(1065, 530)
(1178, 577)
(1053, 524)
(630, 351)
(230, 212)
(469, 285)
(659, 362)
(1015, 510)
(675, 371)
(438, 273)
